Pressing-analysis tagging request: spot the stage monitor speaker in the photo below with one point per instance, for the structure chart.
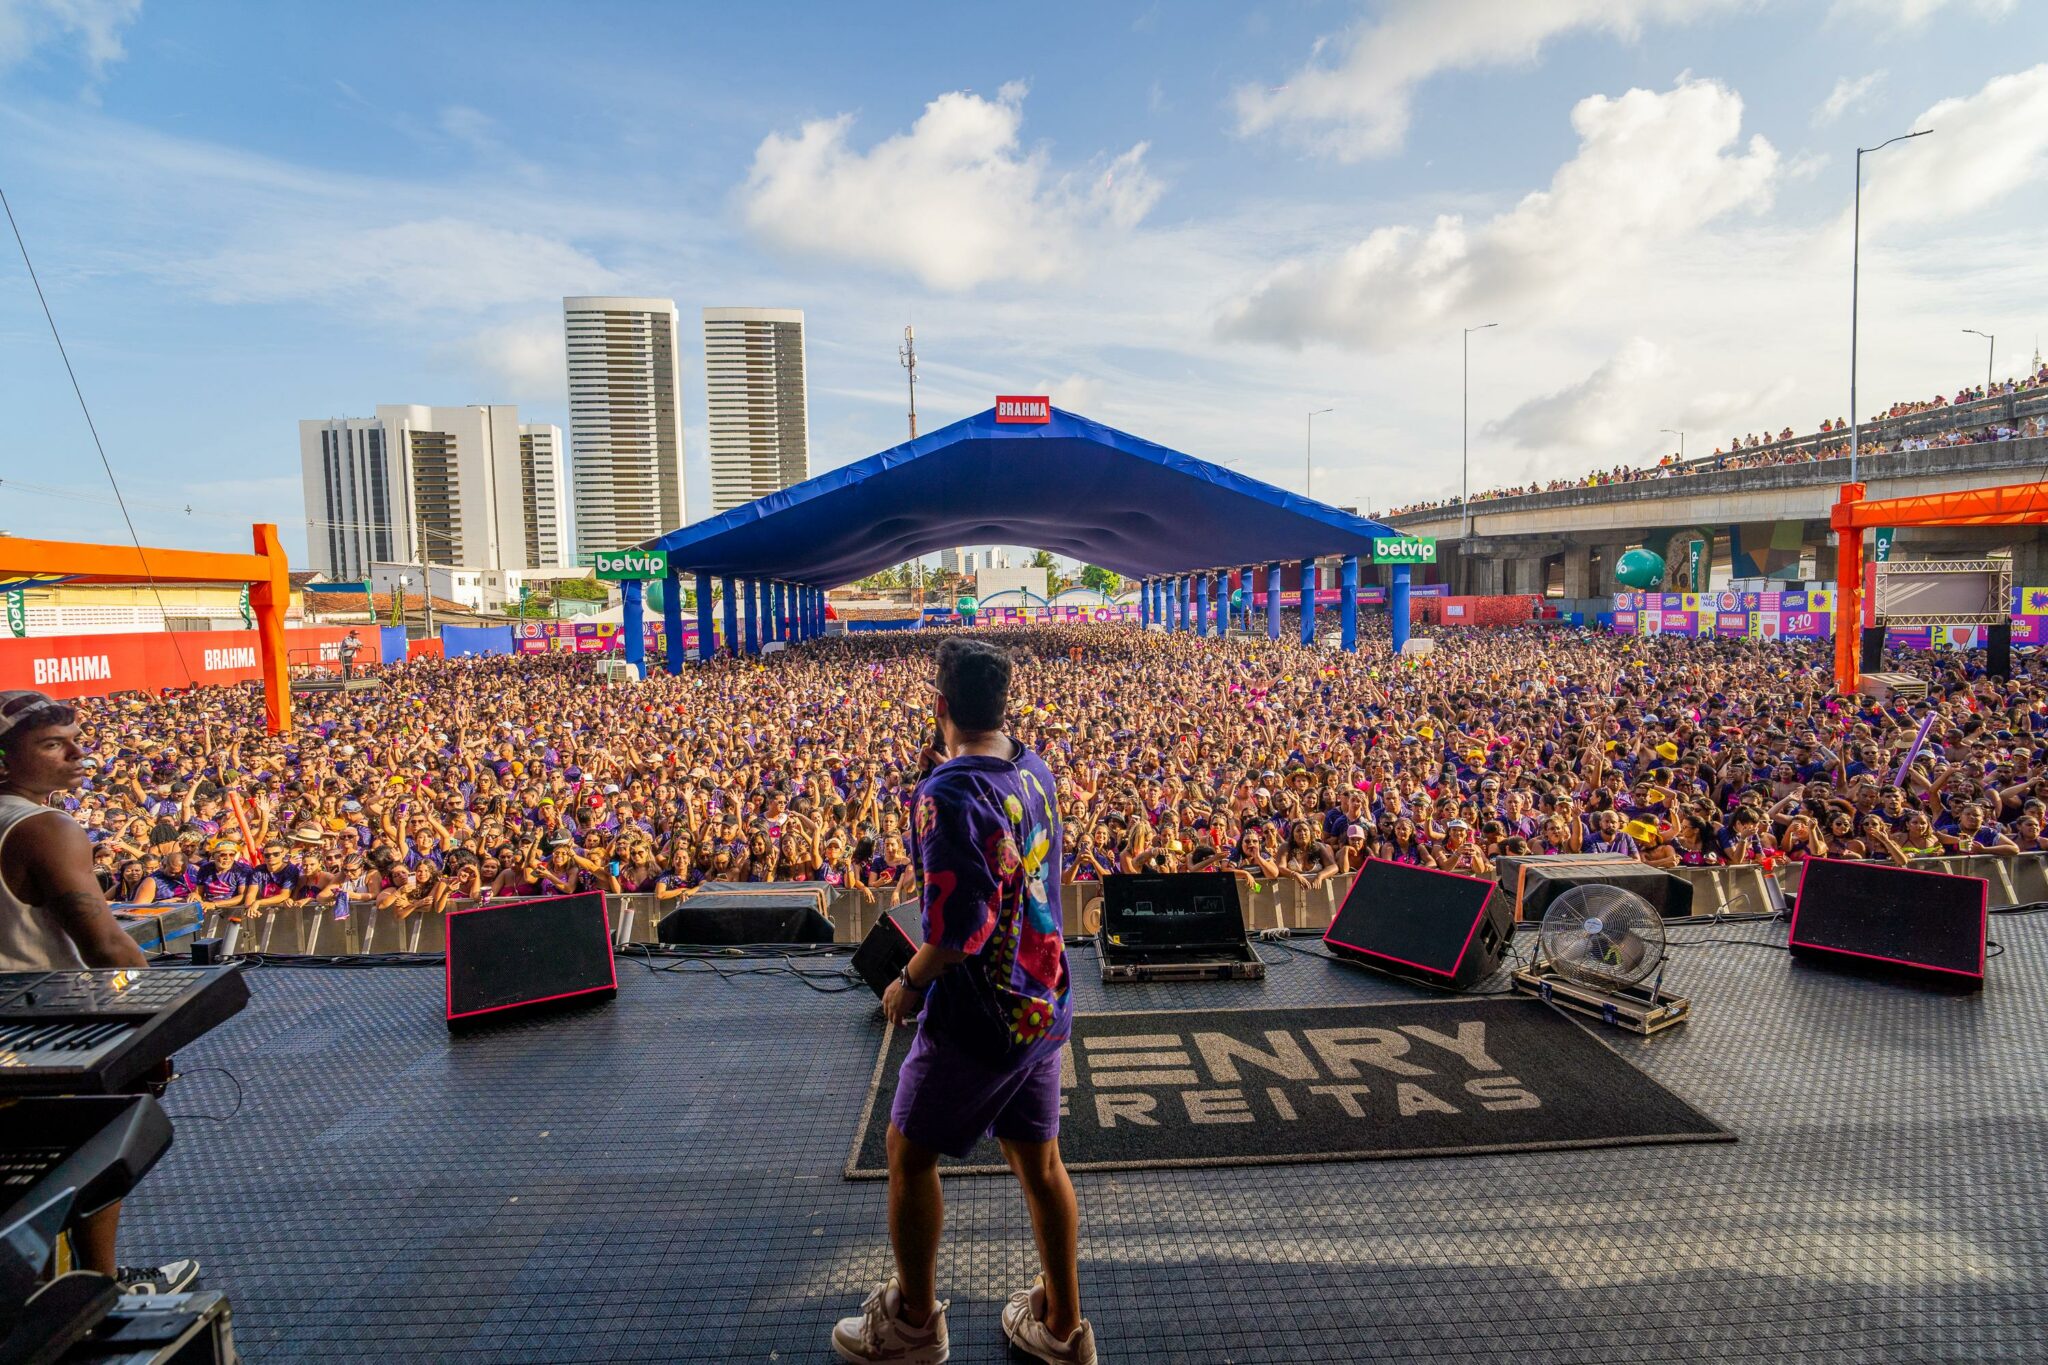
(731, 914)
(516, 955)
(1438, 928)
(1870, 651)
(1539, 881)
(1926, 927)
(883, 954)
(1507, 868)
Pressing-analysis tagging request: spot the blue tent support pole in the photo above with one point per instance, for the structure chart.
(1308, 601)
(1201, 606)
(672, 622)
(749, 603)
(730, 588)
(704, 636)
(781, 611)
(1350, 608)
(1144, 603)
(1181, 589)
(1219, 594)
(635, 623)
(1273, 601)
(1397, 606)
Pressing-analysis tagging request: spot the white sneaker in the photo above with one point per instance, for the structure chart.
(878, 1334)
(1024, 1325)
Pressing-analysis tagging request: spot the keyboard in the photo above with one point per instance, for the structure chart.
(98, 1031)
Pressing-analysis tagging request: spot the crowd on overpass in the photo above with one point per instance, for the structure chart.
(1829, 441)
(528, 775)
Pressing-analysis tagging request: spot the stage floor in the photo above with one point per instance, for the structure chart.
(660, 1180)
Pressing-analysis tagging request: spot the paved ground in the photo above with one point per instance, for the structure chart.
(661, 1181)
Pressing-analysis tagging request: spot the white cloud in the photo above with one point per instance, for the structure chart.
(1650, 170)
(439, 264)
(1849, 92)
(94, 24)
(1984, 147)
(1359, 104)
(1913, 13)
(954, 202)
(525, 360)
(1603, 409)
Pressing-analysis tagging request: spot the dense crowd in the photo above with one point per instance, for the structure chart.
(1828, 442)
(529, 776)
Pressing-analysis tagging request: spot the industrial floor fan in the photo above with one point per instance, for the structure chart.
(1600, 951)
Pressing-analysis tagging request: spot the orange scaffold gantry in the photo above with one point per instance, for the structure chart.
(265, 571)
(2016, 504)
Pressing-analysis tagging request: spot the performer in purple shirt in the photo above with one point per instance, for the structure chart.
(991, 982)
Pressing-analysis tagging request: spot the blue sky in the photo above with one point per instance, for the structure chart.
(1196, 222)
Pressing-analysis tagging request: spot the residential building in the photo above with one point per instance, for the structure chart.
(544, 497)
(476, 589)
(625, 420)
(417, 484)
(759, 406)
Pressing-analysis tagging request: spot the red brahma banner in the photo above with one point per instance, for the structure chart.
(97, 665)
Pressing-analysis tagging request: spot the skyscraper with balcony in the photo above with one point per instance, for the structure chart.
(625, 420)
(415, 484)
(759, 406)
(544, 497)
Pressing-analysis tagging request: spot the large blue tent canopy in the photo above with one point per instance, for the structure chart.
(1069, 485)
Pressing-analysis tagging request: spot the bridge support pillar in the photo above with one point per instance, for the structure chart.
(1525, 575)
(1578, 571)
(1485, 577)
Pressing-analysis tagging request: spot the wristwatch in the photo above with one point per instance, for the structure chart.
(908, 984)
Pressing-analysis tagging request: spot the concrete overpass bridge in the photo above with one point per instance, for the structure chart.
(1752, 520)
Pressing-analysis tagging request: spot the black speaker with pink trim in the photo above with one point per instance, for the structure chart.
(1929, 928)
(511, 957)
(1437, 928)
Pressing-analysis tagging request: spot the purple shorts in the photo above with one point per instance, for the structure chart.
(946, 1101)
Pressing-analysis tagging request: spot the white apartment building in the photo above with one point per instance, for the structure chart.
(416, 484)
(476, 589)
(544, 497)
(625, 420)
(759, 405)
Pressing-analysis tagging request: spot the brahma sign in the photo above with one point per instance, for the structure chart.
(1034, 409)
(97, 665)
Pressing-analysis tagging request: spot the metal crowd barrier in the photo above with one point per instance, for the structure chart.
(1745, 890)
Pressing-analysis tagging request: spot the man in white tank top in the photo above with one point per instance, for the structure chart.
(53, 916)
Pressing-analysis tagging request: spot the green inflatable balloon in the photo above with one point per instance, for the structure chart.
(1640, 569)
(656, 595)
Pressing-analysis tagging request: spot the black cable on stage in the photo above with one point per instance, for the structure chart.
(210, 1118)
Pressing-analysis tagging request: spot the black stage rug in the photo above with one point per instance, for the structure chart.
(1343, 1083)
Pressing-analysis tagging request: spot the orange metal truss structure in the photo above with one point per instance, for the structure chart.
(2015, 504)
(265, 572)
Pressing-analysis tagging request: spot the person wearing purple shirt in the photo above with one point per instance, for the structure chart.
(992, 988)
(1609, 837)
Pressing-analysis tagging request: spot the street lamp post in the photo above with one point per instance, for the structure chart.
(1308, 468)
(1855, 273)
(1989, 360)
(1674, 431)
(1465, 443)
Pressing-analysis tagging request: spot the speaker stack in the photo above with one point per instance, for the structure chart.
(1437, 928)
(517, 956)
(1929, 928)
